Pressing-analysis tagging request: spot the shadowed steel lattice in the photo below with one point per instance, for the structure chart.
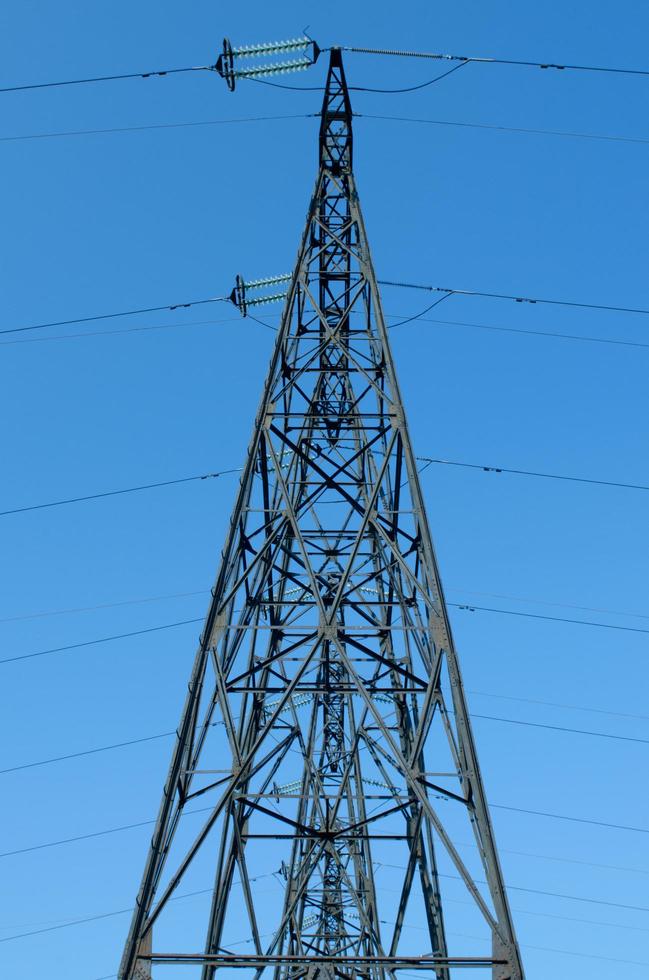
(324, 813)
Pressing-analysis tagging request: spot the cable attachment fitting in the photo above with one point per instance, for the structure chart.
(228, 61)
(240, 294)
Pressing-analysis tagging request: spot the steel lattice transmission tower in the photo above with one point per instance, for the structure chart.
(325, 740)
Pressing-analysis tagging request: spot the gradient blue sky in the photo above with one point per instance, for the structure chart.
(98, 223)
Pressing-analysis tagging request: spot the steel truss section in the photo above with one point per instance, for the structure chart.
(325, 710)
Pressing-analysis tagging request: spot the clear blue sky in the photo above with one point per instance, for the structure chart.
(98, 223)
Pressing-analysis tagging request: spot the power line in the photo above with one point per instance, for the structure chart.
(418, 316)
(120, 330)
(147, 823)
(547, 602)
(384, 282)
(535, 891)
(152, 738)
(570, 819)
(535, 473)
(107, 78)
(557, 704)
(493, 595)
(103, 605)
(112, 316)
(516, 299)
(464, 59)
(154, 126)
(506, 129)
(205, 891)
(356, 88)
(552, 619)
(559, 728)
(91, 836)
(102, 639)
(531, 333)
(424, 459)
(410, 88)
(108, 915)
(185, 622)
(115, 493)
(78, 755)
(605, 137)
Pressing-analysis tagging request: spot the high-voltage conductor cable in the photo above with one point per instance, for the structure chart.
(123, 490)
(158, 73)
(563, 729)
(513, 62)
(421, 287)
(154, 126)
(533, 300)
(310, 115)
(311, 51)
(366, 88)
(113, 976)
(466, 607)
(492, 328)
(140, 600)
(502, 129)
(113, 316)
(78, 838)
(428, 460)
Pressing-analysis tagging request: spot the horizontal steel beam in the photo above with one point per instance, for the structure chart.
(260, 962)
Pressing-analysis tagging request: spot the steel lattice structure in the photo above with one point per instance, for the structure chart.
(325, 736)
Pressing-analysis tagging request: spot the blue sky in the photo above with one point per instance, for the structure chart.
(107, 222)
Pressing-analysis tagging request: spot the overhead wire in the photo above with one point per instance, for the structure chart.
(419, 316)
(109, 915)
(553, 619)
(312, 115)
(154, 126)
(516, 298)
(477, 59)
(560, 704)
(548, 894)
(529, 333)
(203, 592)
(505, 129)
(85, 752)
(570, 819)
(113, 316)
(121, 491)
(557, 728)
(357, 88)
(159, 73)
(538, 474)
(185, 622)
(103, 605)
(48, 338)
(409, 88)
(147, 823)
(152, 738)
(429, 460)
(98, 833)
(535, 891)
(447, 291)
(100, 640)
(461, 60)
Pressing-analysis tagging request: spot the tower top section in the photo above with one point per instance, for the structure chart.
(336, 122)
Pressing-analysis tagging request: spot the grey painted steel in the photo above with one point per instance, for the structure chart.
(325, 708)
